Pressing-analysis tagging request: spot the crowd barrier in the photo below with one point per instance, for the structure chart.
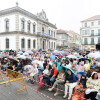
(1, 74)
(16, 77)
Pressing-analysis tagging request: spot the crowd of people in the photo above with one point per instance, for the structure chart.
(55, 70)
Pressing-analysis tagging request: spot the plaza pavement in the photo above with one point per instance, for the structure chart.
(9, 92)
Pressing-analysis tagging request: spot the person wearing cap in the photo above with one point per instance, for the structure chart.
(93, 86)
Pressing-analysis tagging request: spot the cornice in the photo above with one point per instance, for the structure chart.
(24, 12)
(25, 33)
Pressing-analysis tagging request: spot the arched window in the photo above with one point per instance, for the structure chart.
(7, 43)
(22, 43)
(29, 43)
(34, 28)
(34, 44)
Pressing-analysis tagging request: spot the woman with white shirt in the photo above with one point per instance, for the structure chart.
(68, 65)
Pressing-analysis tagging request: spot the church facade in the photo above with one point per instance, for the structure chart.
(20, 29)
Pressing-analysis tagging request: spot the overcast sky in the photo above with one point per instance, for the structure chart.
(67, 14)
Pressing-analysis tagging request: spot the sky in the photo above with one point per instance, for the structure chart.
(66, 14)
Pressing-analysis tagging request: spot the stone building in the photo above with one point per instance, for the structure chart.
(20, 29)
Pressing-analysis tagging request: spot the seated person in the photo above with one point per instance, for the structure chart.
(53, 75)
(70, 82)
(83, 81)
(46, 72)
(93, 86)
(90, 72)
(97, 68)
(60, 79)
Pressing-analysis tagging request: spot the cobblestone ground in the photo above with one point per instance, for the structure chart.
(9, 92)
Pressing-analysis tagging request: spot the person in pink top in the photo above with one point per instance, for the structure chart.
(81, 69)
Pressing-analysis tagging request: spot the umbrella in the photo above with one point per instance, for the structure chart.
(3, 55)
(83, 59)
(20, 52)
(12, 59)
(41, 84)
(22, 57)
(94, 55)
(29, 51)
(66, 69)
(25, 54)
(72, 56)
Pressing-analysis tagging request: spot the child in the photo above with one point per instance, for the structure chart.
(83, 80)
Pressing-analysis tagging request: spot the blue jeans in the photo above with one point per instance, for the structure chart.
(49, 82)
(40, 71)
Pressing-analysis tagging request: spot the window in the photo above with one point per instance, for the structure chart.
(98, 40)
(22, 25)
(7, 25)
(85, 24)
(34, 28)
(7, 43)
(85, 41)
(29, 43)
(98, 31)
(92, 40)
(42, 29)
(98, 22)
(22, 43)
(54, 33)
(54, 45)
(84, 32)
(49, 31)
(34, 43)
(49, 45)
(92, 23)
(43, 44)
(92, 32)
(28, 26)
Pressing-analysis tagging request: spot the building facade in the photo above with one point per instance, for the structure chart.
(20, 29)
(64, 38)
(90, 32)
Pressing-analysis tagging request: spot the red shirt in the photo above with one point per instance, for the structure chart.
(56, 72)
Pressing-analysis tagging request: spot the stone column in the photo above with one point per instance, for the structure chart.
(17, 29)
(17, 42)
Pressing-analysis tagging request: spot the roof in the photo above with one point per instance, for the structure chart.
(97, 17)
(61, 31)
(27, 13)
